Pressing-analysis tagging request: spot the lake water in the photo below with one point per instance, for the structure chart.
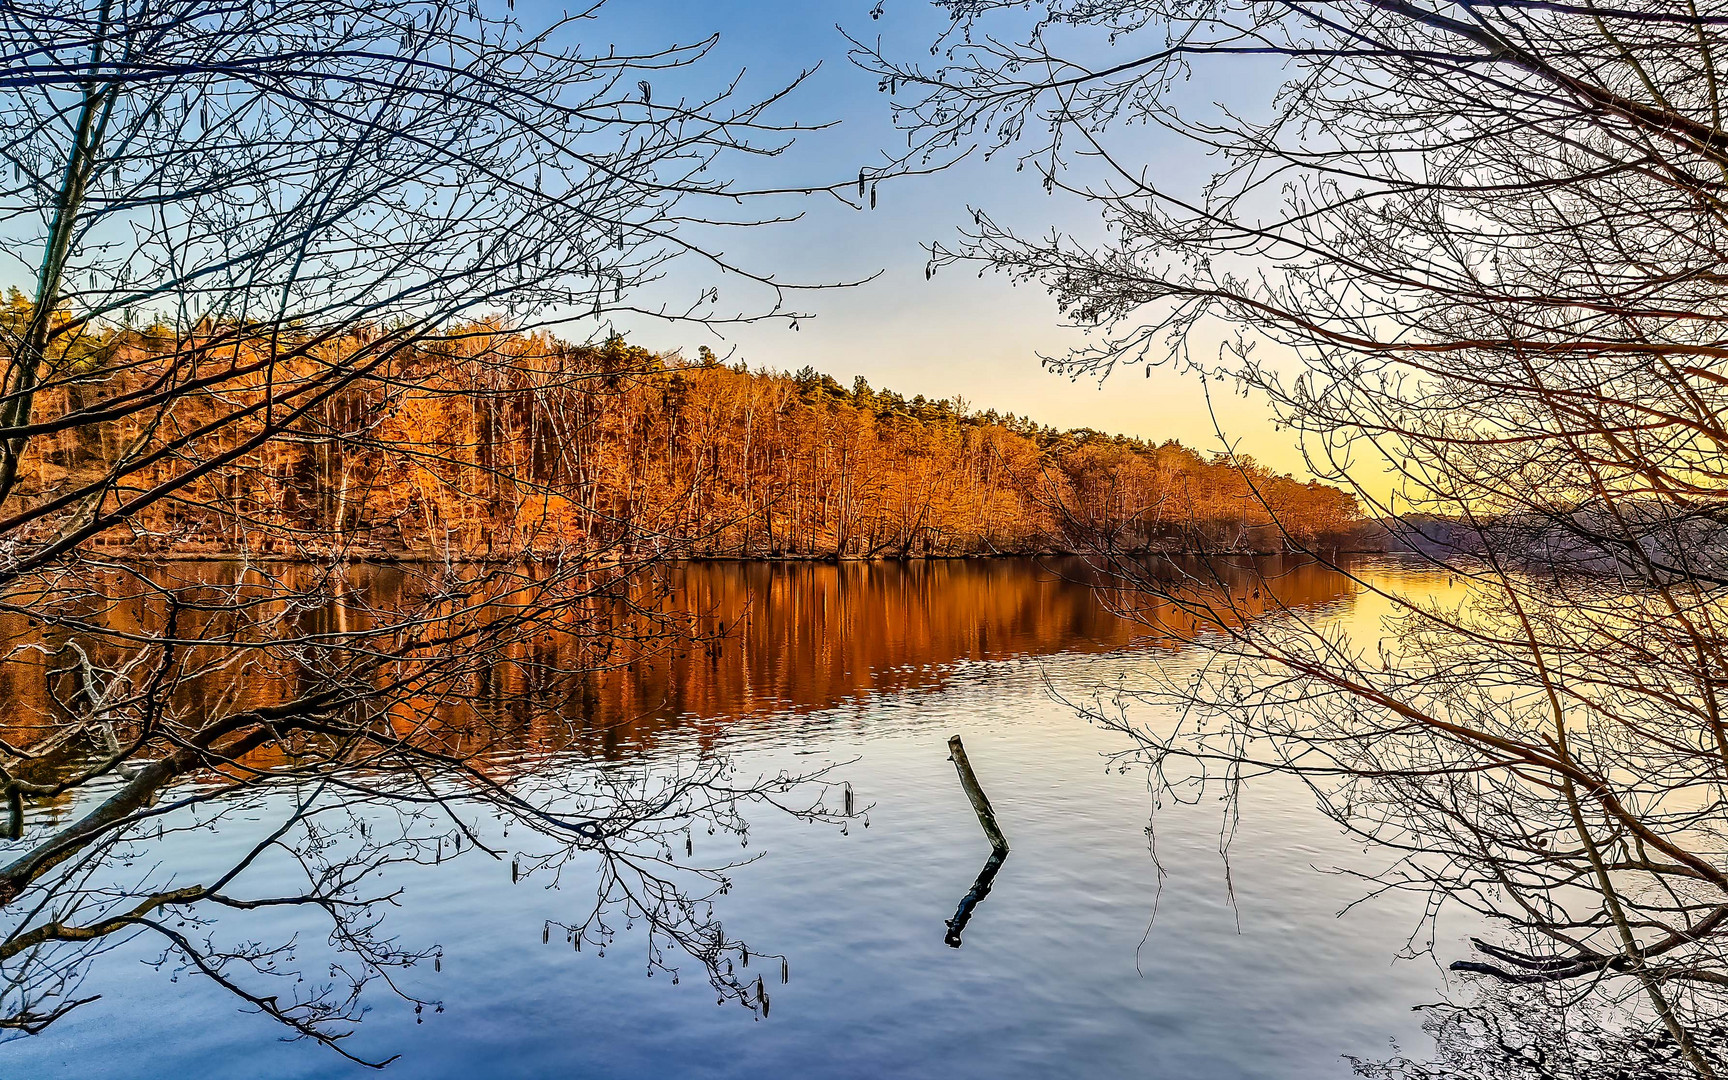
(1088, 958)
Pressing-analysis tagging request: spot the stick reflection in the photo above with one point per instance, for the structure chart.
(980, 889)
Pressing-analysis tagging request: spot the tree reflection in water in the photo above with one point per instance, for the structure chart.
(586, 749)
(1581, 814)
(254, 773)
(1530, 1033)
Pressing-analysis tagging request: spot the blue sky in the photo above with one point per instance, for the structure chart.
(956, 334)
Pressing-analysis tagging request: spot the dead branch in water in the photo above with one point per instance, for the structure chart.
(998, 843)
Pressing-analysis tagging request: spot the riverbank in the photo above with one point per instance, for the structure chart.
(470, 559)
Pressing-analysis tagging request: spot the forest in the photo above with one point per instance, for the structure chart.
(392, 621)
(488, 443)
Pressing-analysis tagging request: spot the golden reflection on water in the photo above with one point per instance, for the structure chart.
(732, 642)
(812, 636)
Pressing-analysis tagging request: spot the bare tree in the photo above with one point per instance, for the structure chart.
(1475, 247)
(241, 225)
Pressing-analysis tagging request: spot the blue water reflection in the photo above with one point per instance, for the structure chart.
(1089, 958)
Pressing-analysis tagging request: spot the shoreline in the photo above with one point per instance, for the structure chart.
(389, 558)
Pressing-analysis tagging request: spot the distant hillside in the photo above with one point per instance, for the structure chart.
(505, 444)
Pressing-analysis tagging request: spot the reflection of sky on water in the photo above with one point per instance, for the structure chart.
(1272, 985)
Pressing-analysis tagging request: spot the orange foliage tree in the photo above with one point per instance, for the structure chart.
(493, 444)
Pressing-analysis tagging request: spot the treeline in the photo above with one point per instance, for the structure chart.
(500, 444)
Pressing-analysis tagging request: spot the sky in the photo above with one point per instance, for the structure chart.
(958, 334)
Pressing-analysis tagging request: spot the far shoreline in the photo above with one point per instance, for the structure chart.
(388, 559)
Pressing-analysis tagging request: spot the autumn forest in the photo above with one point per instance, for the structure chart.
(450, 622)
(492, 444)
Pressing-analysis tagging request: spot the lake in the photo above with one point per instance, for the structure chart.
(1200, 948)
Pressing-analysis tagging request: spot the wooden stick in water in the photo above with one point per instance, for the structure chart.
(969, 781)
(992, 832)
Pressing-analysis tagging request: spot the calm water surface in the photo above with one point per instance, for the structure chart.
(1084, 960)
